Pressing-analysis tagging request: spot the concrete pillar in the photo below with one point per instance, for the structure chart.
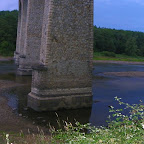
(21, 35)
(17, 52)
(33, 32)
(64, 78)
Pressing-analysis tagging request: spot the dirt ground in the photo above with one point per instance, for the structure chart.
(9, 122)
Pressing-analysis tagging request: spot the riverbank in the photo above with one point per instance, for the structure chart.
(100, 56)
(10, 122)
(6, 58)
(20, 129)
(118, 62)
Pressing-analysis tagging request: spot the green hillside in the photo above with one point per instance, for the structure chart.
(8, 31)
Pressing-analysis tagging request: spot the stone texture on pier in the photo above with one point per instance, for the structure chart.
(64, 77)
(19, 31)
(30, 54)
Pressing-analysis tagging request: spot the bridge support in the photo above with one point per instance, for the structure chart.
(64, 78)
(17, 52)
(33, 32)
(21, 35)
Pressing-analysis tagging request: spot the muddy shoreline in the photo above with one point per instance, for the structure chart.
(6, 59)
(9, 121)
(125, 74)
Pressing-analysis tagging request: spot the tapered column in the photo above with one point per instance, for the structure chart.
(17, 52)
(64, 78)
(33, 32)
(21, 31)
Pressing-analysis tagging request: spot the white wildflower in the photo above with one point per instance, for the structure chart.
(7, 138)
(142, 125)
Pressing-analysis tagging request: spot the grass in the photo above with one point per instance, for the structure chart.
(25, 139)
(123, 129)
(118, 57)
(119, 135)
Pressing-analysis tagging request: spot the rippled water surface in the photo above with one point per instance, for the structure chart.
(105, 88)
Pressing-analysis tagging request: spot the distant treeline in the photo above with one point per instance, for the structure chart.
(8, 31)
(111, 40)
(119, 41)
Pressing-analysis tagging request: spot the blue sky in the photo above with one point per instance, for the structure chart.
(118, 14)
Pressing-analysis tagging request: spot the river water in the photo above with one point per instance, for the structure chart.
(105, 88)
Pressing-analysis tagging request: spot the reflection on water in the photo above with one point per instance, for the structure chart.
(18, 101)
(7, 67)
(105, 88)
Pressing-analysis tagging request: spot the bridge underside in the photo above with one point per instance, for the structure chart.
(55, 43)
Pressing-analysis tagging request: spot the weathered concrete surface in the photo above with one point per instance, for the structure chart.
(65, 78)
(21, 31)
(17, 52)
(33, 32)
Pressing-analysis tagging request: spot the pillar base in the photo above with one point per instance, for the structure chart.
(24, 72)
(55, 102)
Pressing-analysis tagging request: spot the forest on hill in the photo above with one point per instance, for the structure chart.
(8, 32)
(105, 40)
(119, 41)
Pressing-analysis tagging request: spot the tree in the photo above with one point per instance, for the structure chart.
(8, 32)
(131, 47)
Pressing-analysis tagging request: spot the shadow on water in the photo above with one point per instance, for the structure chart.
(17, 100)
(105, 88)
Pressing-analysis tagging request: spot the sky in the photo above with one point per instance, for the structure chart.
(118, 14)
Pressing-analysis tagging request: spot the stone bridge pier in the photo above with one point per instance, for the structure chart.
(29, 34)
(17, 52)
(63, 77)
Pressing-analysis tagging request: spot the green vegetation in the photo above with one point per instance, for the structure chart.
(124, 129)
(125, 43)
(25, 139)
(109, 44)
(116, 57)
(8, 31)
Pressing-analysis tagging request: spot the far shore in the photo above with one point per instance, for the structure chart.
(10, 58)
(2, 58)
(117, 62)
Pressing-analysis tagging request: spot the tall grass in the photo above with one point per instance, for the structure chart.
(123, 129)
